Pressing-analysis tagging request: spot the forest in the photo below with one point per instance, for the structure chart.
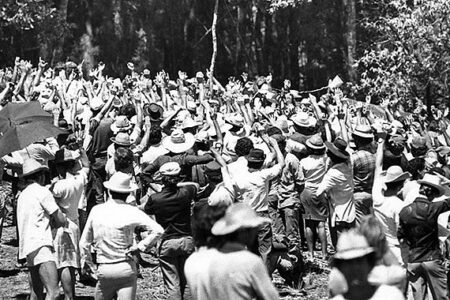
(397, 50)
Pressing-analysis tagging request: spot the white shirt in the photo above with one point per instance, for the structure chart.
(338, 183)
(69, 192)
(153, 152)
(253, 187)
(110, 227)
(34, 207)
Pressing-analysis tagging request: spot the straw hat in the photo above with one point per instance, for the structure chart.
(122, 139)
(236, 217)
(96, 103)
(189, 123)
(178, 141)
(395, 174)
(121, 183)
(351, 245)
(64, 155)
(235, 120)
(433, 181)
(121, 124)
(170, 169)
(363, 131)
(338, 148)
(315, 142)
(302, 119)
(154, 111)
(31, 166)
(256, 155)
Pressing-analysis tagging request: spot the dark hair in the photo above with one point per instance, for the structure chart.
(119, 196)
(170, 181)
(394, 185)
(336, 159)
(373, 231)
(361, 141)
(127, 110)
(273, 130)
(256, 165)
(65, 166)
(243, 146)
(123, 159)
(203, 219)
(416, 166)
(155, 135)
(34, 177)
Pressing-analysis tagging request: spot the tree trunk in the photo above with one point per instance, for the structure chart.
(58, 50)
(87, 38)
(214, 42)
(350, 37)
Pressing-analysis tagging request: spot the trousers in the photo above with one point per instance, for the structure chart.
(431, 273)
(116, 279)
(172, 257)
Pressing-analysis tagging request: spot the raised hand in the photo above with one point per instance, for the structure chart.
(42, 64)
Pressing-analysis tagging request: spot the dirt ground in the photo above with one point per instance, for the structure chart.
(14, 280)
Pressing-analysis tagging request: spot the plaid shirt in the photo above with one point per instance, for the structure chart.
(363, 162)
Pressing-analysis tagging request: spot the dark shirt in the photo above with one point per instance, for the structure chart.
(186, 161)
(101, 137)
(172, 210)
(419, 228)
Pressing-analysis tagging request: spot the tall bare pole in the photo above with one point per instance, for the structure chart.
(214, 41)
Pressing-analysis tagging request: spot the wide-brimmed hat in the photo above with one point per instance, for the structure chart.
(235, 119)
(190, 105)
(256, 155)
(170, 169)
(122, 139)
(315, 142)
(96, 103)
(154, 111)
(395, 174)
(121, 124)
(338, 148)
(238, 216)
(31, 166)
(64, 155)
(189, 123)
(223, 128)
(178, 141)
(302, 119)
(433, 181)
(351, 245)
(364, 131)
(120, 183)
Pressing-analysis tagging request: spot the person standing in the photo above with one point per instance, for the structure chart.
(363, 162)
(109, 229)
(418, 230)
(338, 184)
(68, 190)
(172, 209)
(229, 270)
(36, 212)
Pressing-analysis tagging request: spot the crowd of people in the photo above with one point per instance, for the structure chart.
(225, 185)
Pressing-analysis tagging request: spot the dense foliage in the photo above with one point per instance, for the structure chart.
(389, 49)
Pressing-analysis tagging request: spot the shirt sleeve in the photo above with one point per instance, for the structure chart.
(327, 183)
(198, 159)
(48, 203)
(271, 172)
(153, 229)
(58, 190)
(261, 282)
(87, 239)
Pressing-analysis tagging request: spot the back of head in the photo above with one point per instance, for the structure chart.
(243, 146)
(123, 160)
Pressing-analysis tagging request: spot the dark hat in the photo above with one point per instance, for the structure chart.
(278, 137)
(213, 168)
(256, 155)
(338, 148)
(154, 111)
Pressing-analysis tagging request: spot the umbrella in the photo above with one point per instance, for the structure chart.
(22, 124)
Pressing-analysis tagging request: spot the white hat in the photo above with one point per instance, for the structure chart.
(351, 245)
(121, 183)
(433, 181)
(170, 169)
(178, 141)
(96, 103)
(236, 217)
(31, 166)
(121, 124)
